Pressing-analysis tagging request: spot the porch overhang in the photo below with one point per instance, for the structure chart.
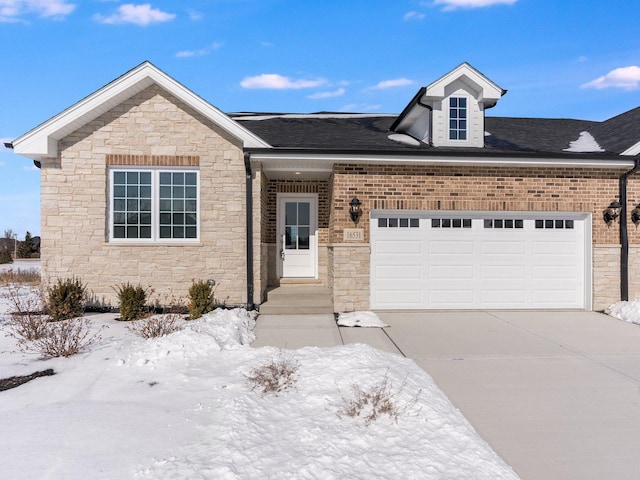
(318, 165)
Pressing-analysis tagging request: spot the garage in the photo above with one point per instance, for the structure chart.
(478, 260)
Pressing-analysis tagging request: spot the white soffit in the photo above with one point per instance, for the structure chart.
(275, 160)
(42, 141)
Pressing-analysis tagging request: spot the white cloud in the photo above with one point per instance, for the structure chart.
(414, 16)
(455, 4)
(335, 93)
(13, 10)
(627, 78)
(273, 81)
(195, 15)
(137, 14)
(200, 52)
(397, 82)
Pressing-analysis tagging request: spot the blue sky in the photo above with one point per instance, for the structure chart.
(556, 59)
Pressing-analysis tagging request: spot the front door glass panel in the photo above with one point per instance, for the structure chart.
(297, 225)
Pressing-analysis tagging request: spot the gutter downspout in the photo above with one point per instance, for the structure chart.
(624, 237)
(249, 222)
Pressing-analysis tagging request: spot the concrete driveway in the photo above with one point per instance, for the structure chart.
(556, 394)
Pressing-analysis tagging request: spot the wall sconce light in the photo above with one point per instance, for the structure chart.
(354, 209)
(611, 212)
(635, 215)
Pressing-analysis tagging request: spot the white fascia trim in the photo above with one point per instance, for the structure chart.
(42, 141)
(490, 90)
(267, 157)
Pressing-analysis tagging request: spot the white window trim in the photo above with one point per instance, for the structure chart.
(466, 130)
(155, 205)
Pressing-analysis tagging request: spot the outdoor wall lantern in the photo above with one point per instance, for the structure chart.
(611, 212)
(354, 209)
(635, 215)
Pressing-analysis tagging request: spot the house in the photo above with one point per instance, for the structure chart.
(440, 206)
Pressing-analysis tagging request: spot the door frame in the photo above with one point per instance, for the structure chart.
(313, 234)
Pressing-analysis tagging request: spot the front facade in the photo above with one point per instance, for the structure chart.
(145, 182)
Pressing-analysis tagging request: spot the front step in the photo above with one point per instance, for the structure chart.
(297, 299)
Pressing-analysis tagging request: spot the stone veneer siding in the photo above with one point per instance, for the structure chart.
(152, 128)
(403, 187)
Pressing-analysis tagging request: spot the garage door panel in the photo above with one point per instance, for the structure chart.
(556, 296)
(398, 247)
(503, 248)
(450, 272)
(480, 263)
(412, 272)
(443, 298)
(389, 298)
(569, 272)
(555, 248)
(510, 272)
(450, 247)
(503, 298)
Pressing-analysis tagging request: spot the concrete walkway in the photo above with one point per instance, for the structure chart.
(315, 330)
(556, 394)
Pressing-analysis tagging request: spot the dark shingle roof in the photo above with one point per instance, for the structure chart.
(620, 132)
(361, 132)
(550, 135)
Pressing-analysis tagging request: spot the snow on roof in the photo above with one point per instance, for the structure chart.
(583, 144)
(404, 139)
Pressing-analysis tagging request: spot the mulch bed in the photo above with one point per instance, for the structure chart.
(13, 382)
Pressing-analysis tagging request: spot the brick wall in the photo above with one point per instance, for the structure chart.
(396, 187)
(159, 127)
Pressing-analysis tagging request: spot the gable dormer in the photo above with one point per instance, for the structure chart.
(450, 111)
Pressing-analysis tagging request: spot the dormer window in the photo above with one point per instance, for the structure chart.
(457, 118)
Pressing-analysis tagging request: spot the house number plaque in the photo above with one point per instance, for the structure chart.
(353, 234)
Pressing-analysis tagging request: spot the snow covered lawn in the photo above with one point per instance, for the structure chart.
(180, 407)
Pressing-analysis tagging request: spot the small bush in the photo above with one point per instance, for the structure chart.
(66, 299)
(5, 256)
(201, 299)
(372, 403)
(276, 376)
(132, 302)
(26, 321)
(156, 326)
(62, 339)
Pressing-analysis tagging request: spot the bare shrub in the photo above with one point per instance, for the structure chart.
(373, 402)
(156, 326)
(278, 375)
(26, 321)
(62, 339)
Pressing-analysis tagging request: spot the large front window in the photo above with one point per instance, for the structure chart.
(457, 118)
(154, 205)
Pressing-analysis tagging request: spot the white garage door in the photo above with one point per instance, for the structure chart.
(432, 260)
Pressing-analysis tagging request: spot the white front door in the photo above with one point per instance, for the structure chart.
(297, 235)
